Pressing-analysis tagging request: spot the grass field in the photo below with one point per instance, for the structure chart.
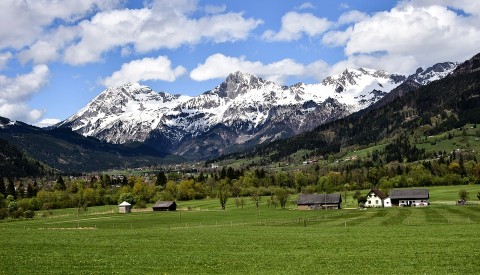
(438, 239)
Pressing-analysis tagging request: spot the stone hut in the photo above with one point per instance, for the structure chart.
(124, 207)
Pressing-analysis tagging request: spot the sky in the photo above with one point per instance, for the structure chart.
(57, 55)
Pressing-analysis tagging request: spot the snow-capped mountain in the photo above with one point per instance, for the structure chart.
(436, 72)
(244, 110)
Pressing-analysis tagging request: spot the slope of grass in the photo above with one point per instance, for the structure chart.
(205, 240)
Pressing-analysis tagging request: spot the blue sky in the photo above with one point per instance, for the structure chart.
(56, 56)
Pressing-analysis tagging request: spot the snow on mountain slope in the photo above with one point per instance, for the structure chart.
(123, 114)
(244, 109)
(436, 72)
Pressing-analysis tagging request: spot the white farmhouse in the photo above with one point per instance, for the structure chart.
(376, 198)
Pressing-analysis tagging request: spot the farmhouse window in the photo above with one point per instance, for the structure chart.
(376, 201)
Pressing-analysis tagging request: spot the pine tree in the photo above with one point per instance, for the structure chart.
(2, 186)
(161, 179)
(30, 191)
(60, 184)
(11, 188)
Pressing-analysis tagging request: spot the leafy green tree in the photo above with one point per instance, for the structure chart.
(256, 197)
(281, 195)
(223, 192)
(128, 197)
(161, 179)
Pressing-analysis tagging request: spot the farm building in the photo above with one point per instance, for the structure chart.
(376, 198)
(319, 201)
(124, 207)
(165, 206)
(410, 197)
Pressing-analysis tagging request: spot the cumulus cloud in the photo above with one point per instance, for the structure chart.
(15, 93)
(412, 34)
(295, 24)
(165, 25)
(212, 9)
(4, 58)
(29, 18)
(159, 68)
(352, 16)
(220, 66)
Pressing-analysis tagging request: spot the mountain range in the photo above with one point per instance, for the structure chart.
(449, 103)
(241, 112)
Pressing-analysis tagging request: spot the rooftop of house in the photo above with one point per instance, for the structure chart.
(409, 194)
(319, 199)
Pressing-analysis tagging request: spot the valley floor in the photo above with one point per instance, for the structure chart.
(438, 239)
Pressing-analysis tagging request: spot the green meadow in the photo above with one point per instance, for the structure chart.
(202, 239)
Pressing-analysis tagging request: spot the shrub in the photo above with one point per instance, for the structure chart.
(141, 204)
(17, 214)
(3, 213)
(29, 214)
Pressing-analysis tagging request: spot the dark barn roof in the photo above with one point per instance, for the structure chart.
(308, 199)
(164, 204)
(379, 193)
(397, 194)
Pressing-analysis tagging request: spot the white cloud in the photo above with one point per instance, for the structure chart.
(49, 47)
(159, 68)
(212, 9)
(352, 16)
(412, 34)
(47, 122)
(306, 6)
(15, 92)
(20, 111)
(431, 34)
(4, 58)
(165, 25)
(220, 66)
(28, 19)
(295, 24)
(337, 38)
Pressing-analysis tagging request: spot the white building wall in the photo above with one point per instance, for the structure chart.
(387, 202)
(373, 200)
(413, 202)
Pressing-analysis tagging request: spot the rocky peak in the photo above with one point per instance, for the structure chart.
(432, 73)
(238, 83)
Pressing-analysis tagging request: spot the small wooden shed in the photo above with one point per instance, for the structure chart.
(165, 206)
(124, 207)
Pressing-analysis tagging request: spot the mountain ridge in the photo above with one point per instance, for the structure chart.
(251, 110)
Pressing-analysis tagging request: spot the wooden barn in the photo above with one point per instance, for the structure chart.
(165, 206)
(410, 197)
(319, 201)
(124, 207)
